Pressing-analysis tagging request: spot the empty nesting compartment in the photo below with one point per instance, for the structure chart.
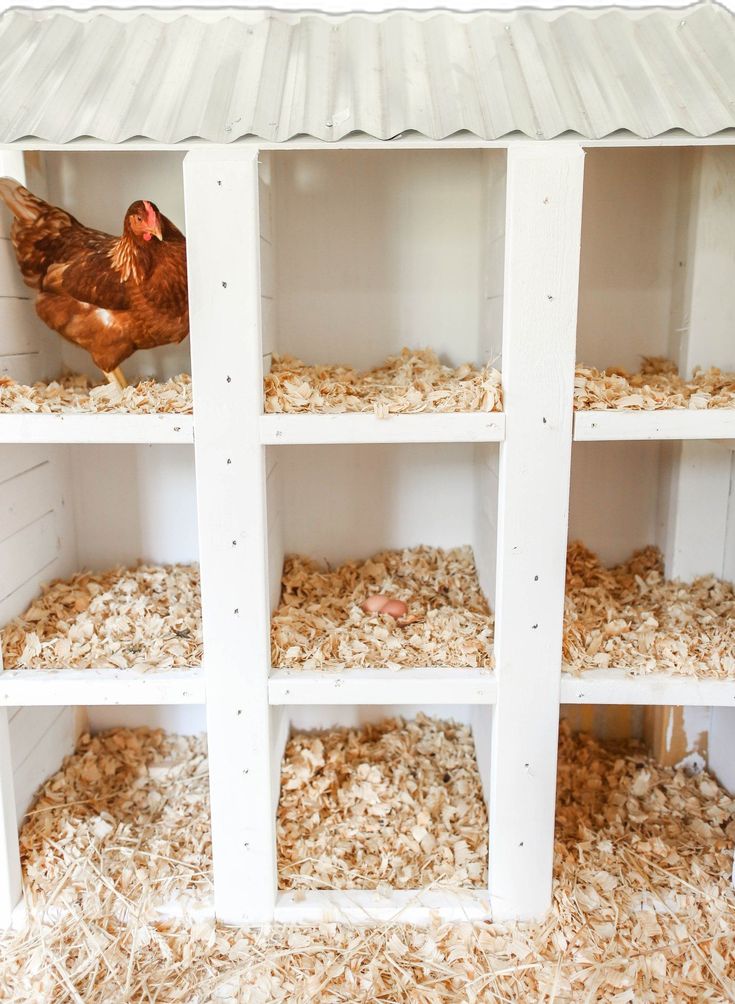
(656, 281)
(382, 280)
(125, 818)
(640, 596)
(99, 558)
(385, 797)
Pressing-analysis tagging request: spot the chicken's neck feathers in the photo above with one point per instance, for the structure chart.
(130, 260)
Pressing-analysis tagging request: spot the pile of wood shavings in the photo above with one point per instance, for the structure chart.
(147, 617)
(411, 382)
(630, 617)
(122, 827)
(76, 394)
(397, 804)
(320, 624)
(643, 908)
(657, 385)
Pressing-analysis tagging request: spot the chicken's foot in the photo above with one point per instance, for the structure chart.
(117, 378)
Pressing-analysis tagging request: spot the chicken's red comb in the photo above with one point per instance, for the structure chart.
(150, 213)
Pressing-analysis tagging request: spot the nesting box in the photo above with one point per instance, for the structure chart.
(465, 205)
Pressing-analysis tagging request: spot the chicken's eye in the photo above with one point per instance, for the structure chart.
(138, 219)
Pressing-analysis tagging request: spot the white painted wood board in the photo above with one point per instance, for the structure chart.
(382, 686)
(682, 423)
(104, 428)
(31, 687)
(543, 214)
(483, 427)
(224, 299)
(616, 686)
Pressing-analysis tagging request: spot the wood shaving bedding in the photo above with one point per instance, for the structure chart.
(643, 909)
(131, 804)
(77, 394)
(319, 623)
(146, 617)
(411, 382)
(397, 804)
(657, 385)
(631, 617)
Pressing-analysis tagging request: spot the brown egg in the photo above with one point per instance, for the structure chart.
(374, 604)
(395, 608)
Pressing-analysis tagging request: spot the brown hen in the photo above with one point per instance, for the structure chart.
(110, 295)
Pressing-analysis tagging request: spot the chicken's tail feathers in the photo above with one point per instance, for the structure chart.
(24, 205)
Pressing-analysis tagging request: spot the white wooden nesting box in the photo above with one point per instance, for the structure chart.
(350, 186)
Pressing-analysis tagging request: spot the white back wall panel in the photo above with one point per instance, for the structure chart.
(628, 255)
(134, 502)
(353, 716)
(379, 249)
(343, 502)
(184, 719)
(614, 497)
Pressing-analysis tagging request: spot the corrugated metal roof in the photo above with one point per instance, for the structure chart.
(220, 75)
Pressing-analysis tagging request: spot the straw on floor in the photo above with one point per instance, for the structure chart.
(643, 912)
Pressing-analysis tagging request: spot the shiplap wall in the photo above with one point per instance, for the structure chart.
(28, 351)
(37, 533)
(39, 739)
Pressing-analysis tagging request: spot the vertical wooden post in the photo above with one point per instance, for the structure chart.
(10, 873)
(221, 193)
(543, 223)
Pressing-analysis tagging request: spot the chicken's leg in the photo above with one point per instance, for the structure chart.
(117, 377)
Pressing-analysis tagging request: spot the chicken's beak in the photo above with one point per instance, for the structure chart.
(156, 231)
